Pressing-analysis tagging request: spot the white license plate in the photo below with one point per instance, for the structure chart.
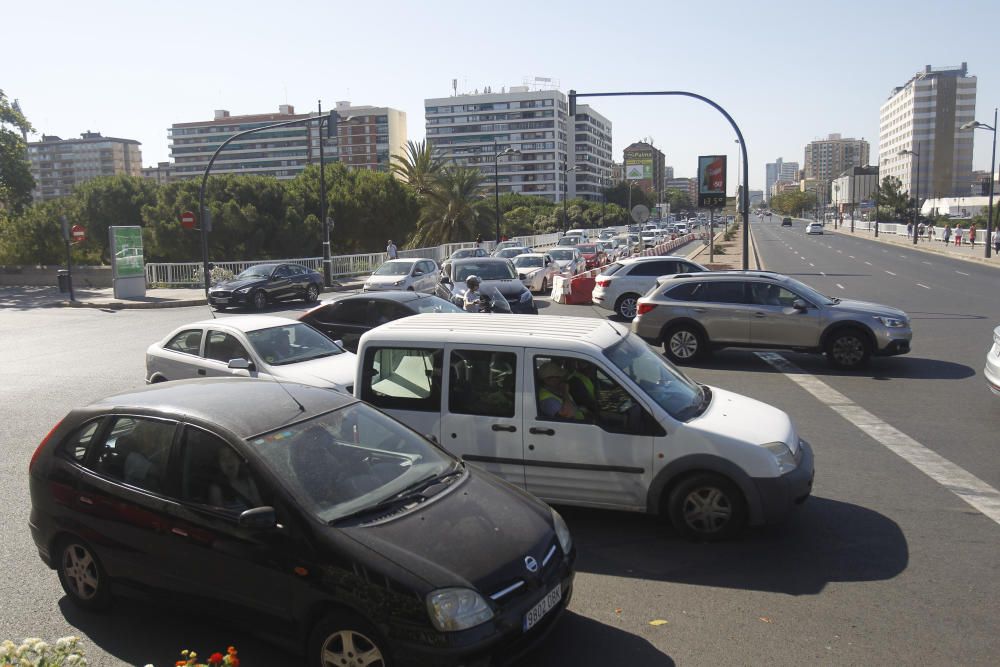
(222, 299)
(547, 604)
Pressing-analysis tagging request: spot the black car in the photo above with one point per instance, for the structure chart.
(494, 273)
(301, 512)
(262, 284)
(347, 318)
(786, 222)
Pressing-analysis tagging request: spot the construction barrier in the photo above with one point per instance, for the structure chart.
(560, 289)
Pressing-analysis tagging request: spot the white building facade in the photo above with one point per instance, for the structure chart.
(924, 115)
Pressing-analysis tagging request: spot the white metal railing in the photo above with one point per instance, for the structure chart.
(343, 266)
(900, 229)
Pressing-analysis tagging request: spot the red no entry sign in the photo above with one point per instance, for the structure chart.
(187, 220)
(78, 233)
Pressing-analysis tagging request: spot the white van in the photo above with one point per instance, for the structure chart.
(579, 411)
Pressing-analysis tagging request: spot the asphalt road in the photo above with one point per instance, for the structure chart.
(883, 565)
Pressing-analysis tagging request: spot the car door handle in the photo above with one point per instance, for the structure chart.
(759, 314)
(179, 532)
(700, 310)
(86, 500)
(501, 427)
(541, 431)
(201, 371)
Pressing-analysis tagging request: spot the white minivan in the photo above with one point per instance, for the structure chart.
(579, 411)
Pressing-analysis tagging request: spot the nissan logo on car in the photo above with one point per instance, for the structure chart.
(531, 564)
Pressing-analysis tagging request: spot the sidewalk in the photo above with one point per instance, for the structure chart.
(88, 297)
(733, 257)
(965, 251)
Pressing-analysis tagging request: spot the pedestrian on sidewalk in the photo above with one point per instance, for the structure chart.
(996, 240)
(947, 233)
(930, 230)
(958, 235)
(972, 235)
(909, 230)
(391, 250)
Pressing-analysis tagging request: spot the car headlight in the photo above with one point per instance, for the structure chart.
(525, 297)
(891, 322)
(562, 533)
(783, 456)
(453, 609)
(242, 290)
(398, 283)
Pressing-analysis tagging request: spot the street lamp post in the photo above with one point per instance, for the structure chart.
(993, 160)
(916, 188)
(566, 170)
(497, 154)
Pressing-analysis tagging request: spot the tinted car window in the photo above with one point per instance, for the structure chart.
(349, 311)
(282, 272)
(660, 268)
(611, 269)
(434, 304)
(687, 292)
(769, 294)
(223, 347)
(213, 473)
(136, 451)
(730, 291)
(482, 383)
(187, 341)
(78, 445)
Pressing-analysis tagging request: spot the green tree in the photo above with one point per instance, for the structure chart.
(456, 209)
(109, 201)
(678, 200)
(793, 202)
(419, 166)
(35, 236)
(16, 181)
(893, 202)
(619, 194)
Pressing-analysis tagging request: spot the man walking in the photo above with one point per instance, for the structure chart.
(391, 250)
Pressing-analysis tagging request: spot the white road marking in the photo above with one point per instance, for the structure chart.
(841, 252)
(840, 286)
(956, 479)
(868, 263)
(903, 256)
(851, 256)
(822, 273)
(890, 273)
(885, 251)
(811, 264)
(923, 285)
(928, 263)
(962, 272)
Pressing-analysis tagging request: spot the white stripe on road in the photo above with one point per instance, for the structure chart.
(840, 286)
(822, 273)
(956, 479)
(890, 273)
(962, 272)
(851, 256)
(923, 285)
(928, 263)
(811, 264)
(868, 263)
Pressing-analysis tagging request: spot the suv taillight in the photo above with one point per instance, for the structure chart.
(41, 446)
(603, 282)
(645, 308)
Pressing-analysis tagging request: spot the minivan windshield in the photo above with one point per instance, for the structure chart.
(681, 397)
(350, 460)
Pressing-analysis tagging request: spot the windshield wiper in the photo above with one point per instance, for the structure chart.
(408, 495)
(417, 488)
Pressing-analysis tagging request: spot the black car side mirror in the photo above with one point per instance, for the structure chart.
(258, 518)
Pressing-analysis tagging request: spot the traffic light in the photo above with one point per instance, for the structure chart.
(572, 103)
(331, 125)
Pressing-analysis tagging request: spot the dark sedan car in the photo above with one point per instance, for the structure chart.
(346, 319)
(302, 512)
(494, 273)
(262, 284)
(786, 222)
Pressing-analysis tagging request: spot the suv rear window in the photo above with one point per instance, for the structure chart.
(611, 269)
(729, 291)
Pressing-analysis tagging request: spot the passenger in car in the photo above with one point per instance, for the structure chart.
(582, 382)
(554, 399)
(236, 490)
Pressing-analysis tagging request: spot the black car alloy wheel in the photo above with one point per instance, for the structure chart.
(312, 293)
(343, 640)
(259, 300)
(81, 575)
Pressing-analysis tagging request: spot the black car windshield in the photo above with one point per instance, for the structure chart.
(394, 268)
(497, 270)
(256, 272)
(434, 304)
(808, 293)
(527, 262)
(291, 344)
(350, 459)
(561, 253)
(681, 397)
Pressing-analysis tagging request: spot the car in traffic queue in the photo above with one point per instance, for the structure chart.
(512, 251)
(508, 244)
(571, 240)
(786, 222)
(992, 370)
(495, 274)
(257, 346)
(593, 256)
(569, 261)
(579, 411)
(346, 318)
(691, 314)
(814, 228)
(609, 248)
(262, 284)
(465, 253)
(417, 275)
(618, 287)
(303, 514)
(536, 270)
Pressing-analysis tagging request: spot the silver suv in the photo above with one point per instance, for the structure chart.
(689, 314)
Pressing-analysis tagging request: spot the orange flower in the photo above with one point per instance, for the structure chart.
(231, 650)
(215, 659)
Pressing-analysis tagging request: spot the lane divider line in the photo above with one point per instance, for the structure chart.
(868, 263)
(840, 286)
(961, 272)
(923, 285)
(956, 479)
(890, 272)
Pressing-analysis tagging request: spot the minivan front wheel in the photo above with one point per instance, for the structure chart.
(707, 507)
(81, 574)
(848, 349)
(344, 640)
(627, 306)
(684, 343)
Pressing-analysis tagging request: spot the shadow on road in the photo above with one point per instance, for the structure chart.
(581, 641)
(824, 541)
(919, 315)
(29, 298)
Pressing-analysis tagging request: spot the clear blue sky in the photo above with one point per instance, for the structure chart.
(788, 72)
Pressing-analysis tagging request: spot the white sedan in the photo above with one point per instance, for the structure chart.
(536, 270)
(260, 346)
(992, 370)
(814, 228)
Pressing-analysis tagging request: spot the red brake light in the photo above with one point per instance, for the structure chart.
(603, 283)
(41, 446)
(645, 308)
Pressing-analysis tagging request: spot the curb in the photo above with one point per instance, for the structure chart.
(756, 254)
(125, 305)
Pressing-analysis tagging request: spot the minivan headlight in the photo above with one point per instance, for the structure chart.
(783, 456)
(453, 609)
(891, 322)
(562, 533)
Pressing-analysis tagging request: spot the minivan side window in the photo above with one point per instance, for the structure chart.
(136, 451)
(482, 382)
(403, 378)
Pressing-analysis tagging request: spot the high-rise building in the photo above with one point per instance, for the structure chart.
(826, 159)
(644, 166)
(366, 137)
(668, 173)
(59, 165)
(788, 171)
(924, 115)
(470, 129)
(160, 173)
(771, 171)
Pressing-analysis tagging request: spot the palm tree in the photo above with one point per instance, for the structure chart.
(455, 208)
(419, 166)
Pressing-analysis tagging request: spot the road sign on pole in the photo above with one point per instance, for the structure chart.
(187, 220)
(78, 233)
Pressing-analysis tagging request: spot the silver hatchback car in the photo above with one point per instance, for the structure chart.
(689, 314)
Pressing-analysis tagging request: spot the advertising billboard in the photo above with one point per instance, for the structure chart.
(637, 169)
(711, 181)
(126, 248)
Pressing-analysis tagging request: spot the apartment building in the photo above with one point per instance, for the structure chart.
(826, 159)
(924, 115)
(59, 165)
(160, 173)
(645, 166)
(549, 162)
(366, 137)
